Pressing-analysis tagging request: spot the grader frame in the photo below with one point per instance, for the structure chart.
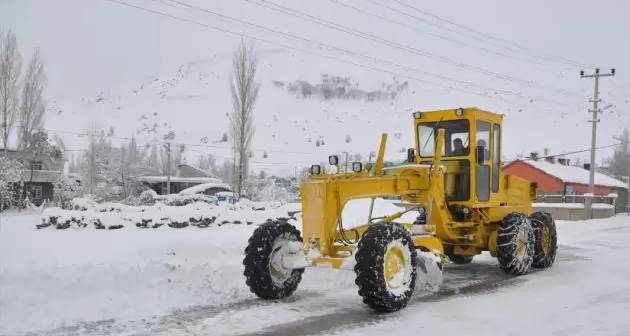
(465, 206)
(420, 182)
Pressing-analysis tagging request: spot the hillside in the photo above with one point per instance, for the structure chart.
(193, 99)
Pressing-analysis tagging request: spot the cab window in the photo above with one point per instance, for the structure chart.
(456, 138)
(496, 157)
(482, 158)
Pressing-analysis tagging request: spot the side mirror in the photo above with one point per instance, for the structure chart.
(481, 153)
(411, 155)
(357, 167)
(333, 160)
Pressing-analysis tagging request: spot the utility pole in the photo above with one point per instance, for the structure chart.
(595, 120)
(168, 168)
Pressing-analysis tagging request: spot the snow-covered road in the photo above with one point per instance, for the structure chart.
(189, 282)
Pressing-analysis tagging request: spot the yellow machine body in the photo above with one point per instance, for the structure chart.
(460, 189)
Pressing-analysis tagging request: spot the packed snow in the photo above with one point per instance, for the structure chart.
(187, 281)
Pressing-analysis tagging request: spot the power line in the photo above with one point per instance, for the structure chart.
(351, 53)
(565, 153)
(374, 38)
(440, 36)
(557, 59)
(342, 60)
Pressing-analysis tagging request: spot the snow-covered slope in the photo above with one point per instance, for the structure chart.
(193, 101)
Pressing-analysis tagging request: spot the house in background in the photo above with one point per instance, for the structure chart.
(185, 176)
(560, 182)
(38, 176)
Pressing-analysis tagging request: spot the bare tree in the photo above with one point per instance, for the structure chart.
(620, 161)
(10, 67)
(244, 93)
(32, 104)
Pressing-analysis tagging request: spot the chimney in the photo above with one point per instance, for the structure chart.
(546, 151)
(533, 156)
(587, 166)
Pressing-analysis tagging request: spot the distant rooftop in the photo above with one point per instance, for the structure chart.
(573, 174)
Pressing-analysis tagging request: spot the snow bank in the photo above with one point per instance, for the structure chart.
(61, 277)
(200, 214)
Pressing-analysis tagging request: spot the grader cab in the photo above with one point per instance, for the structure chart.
(452, 179)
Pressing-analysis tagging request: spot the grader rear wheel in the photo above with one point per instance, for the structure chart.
(386, 267)
(266, 278)
(515, 244)
(546, 239)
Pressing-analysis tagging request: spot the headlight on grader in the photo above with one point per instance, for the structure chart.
(333, 160)
(316, 169)
(357, 167)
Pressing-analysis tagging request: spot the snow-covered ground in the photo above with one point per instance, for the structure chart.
(189, 281)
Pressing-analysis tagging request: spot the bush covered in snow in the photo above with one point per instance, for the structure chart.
(66, 189)
(9, 177)
(269, 189)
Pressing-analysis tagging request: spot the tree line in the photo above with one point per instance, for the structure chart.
(22, 103)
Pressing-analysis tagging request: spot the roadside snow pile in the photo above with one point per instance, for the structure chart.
(51, 278)
(114, 216)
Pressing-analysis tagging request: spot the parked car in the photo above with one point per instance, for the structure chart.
(210, 189)
(226, 197)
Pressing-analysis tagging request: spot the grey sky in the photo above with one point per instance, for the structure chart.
(95, 45)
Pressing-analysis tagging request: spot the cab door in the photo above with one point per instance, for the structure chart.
(483, 161)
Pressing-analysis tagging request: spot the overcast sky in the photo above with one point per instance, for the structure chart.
(92, 46)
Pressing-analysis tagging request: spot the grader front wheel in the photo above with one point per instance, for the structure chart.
(265, 277)
(515, 244)
(386, 267)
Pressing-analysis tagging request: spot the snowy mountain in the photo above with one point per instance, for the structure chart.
(192, 102)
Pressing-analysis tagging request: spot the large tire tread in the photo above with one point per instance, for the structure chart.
(506, 244)
(256, 261)
(369, 267)
(540, 220)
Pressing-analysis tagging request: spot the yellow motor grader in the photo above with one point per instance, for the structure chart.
(465, 205)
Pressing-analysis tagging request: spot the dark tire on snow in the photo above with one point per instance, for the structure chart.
(546, 239)
(370, 268)
(257, 261)
(460, 259)
(515, 244)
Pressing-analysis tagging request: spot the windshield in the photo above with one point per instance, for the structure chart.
(456, 138)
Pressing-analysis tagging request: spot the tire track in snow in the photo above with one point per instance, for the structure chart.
(481, 277)
(474, 279)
